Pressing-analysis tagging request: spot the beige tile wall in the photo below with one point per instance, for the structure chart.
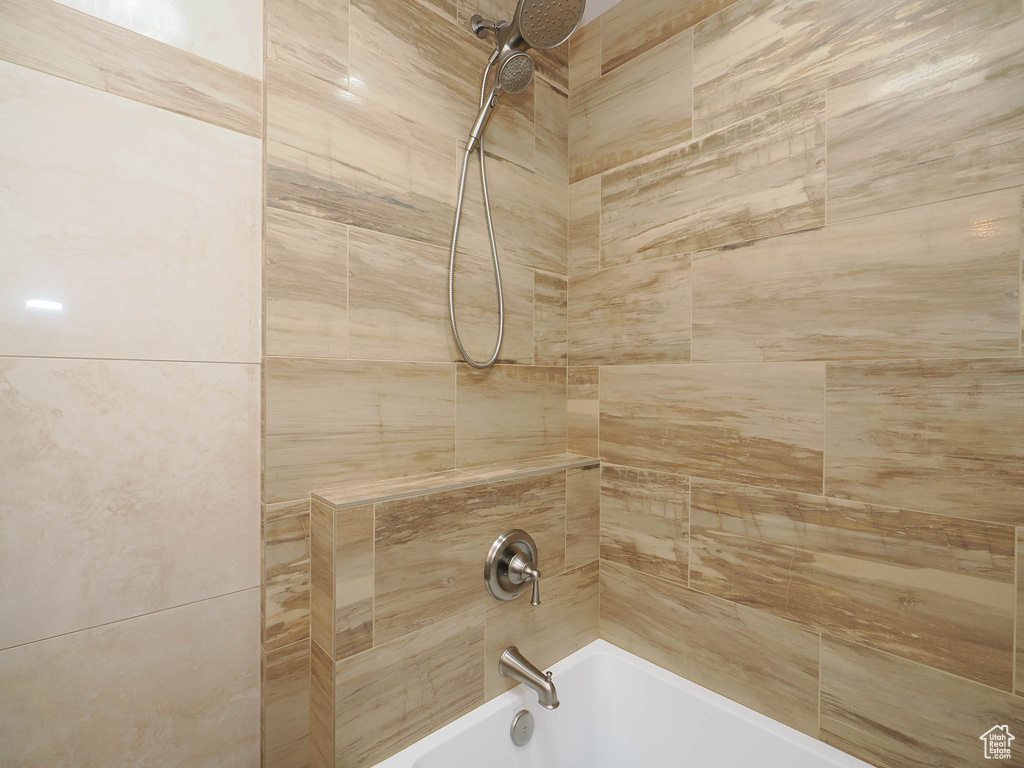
(794, 318)
(131, 165)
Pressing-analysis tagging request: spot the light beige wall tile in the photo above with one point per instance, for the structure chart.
(285, 573)
(335, 421)
(756, 424)
(311, 36)
(286, 702)
(582, 516)
(936, 436)
(306, 286)
(130, 487)
(758, 54)
(633, 27)
(1019, 647)
(891, 712)
(645, 521)
(398, 302)
(61, 41)
(430, 71)
(505, 470)
(932, 589)
(552, 131)
(549, 319)
(585, 54)
(585, 225)
(399, 692)
(524, 407)
(758, 178)
(153, 685)
(443, 538)
(636, 313)
(322, 581)
(583, 416)
(638, 109)
(143, 224)
(228, 33)
(353, 580)
(953, 126)
(760, 661)
(321, 708)
(933, 281)
(401, 180)
(565, 621)
(553, 65)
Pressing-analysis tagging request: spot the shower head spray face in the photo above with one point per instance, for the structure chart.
(545, 24)
(516, 73)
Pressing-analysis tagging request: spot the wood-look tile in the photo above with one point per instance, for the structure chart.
(582, 411)
(935, 436)
(760, 424)
(321, 708)
(355, 495)
(932, 589)
(582, 516)
(61, 41)
(758, 54)
(767, 176)
(933, 281)
(286, 706)
(640, 108)
(585, 225)
(634, 313)
(549, 319)
(944, 124)
(285, 573)
(585, 54)
(311, 36)
(430, 71)
(400, 180)
(552, 131)
(524, 405)
(530, 214)
(398, 303)
(306, 311)
(632, 27)
(760, 661)
(393, 419)
(553, 65)
(645, 521)
(397, 693)
(894, 713)
(353, 580)
(321, 597)
(565, 621)
(507, 470)
(1019, 647)
(442, 536)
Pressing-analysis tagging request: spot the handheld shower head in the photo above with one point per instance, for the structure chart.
(515, 73)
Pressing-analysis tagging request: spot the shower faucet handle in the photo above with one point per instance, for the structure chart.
(511, 566)
(521, 570)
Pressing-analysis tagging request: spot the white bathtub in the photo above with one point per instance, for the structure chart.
(619, 711)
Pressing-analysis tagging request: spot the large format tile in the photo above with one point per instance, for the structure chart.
(400, 180)
(129, 487)
(896, 714)
(229, 32)
(306, 286)
(933, 281)
(645, 521)
(640, 108)
(179, 687)
(762, 662)
(758, 178)
(582, 515)
(757, 424)
(932, 589)
(944, 124)
(635, 313)
(1019, 649)
(565, 621)
(397, 693)
(285, 573)
(443, 537)
(552, 131)
(337, 421)
(550, 321)
(936, 436)
(582, 415)
(61, 41)
(510, 412)
(311, 36)
(398, 303)
(632, 27)
(286, 694)
(584, 226)
(585, 54)
(142, 224)
(758, 54)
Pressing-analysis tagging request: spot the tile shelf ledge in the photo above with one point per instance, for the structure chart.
(351, 495)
